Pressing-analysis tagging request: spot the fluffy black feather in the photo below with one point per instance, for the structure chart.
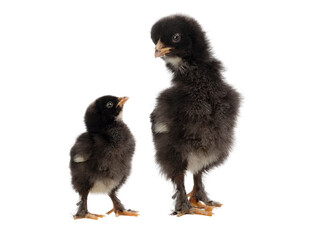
(193, 121)
(101, 157)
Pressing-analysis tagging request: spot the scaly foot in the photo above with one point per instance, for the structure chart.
(198, 204)
(207, 206)
(89, 216)
(193, 211)
(124, 212)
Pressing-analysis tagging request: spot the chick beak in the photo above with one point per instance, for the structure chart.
(122, 100)
(161, 50)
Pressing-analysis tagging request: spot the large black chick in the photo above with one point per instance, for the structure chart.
(101, 157)
(193, 121)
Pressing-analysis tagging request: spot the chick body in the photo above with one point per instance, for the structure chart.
(108, 159)
(198, 114)
(193, 121)
(101, 157)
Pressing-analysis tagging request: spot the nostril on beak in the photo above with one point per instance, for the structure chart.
(122, 100)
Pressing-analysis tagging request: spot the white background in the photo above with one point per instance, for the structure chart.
(58, 56)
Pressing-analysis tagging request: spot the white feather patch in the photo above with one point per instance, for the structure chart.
(104, 186)
(119, 117)
(175, 61)
(197, 161)
(79, 159)
(161, 128)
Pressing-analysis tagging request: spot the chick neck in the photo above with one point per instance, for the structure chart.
(175, 63)
(99, 125)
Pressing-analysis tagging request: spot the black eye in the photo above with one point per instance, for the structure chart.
(109, 105)
(176, 38)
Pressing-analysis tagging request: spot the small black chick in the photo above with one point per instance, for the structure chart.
(101, 157)
(193, 121)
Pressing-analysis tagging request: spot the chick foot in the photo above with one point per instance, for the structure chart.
(193, 211)
(207, 206)
(89, 216)
(123, 213)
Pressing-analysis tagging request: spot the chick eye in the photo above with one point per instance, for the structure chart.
(176, 37)
(109, 105)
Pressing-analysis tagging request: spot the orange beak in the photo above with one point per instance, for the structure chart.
(161, 50)
(122, 100)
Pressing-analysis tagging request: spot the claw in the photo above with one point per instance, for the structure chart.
(215, 204)
(128, 213)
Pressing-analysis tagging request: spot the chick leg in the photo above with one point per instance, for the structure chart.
(182, 205)
(118, 207)
(82, 210)
(198, 195)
